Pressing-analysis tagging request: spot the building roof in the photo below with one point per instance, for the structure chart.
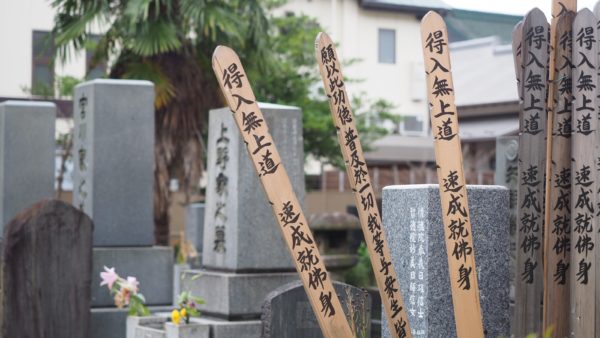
(415, 6)
(467, 25)
(483, 73)
(397, 148)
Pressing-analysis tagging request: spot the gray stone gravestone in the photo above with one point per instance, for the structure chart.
(26, 155)
(113, 154)
(412, 219)
(507, 148)
(244, 256)
(286, 312)
(113, 183)
(194, 224)
(46, 269)
(237, 216)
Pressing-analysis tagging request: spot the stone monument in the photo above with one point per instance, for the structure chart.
(113, 183)
(244, 256)
(412, 219)
(27, 147)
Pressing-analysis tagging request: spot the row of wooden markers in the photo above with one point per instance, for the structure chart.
(267, 162)
(558, 200)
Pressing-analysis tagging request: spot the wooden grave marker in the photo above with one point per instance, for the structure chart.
(453, 192)
(558, 225)
(317, 282)
(531, 169)
(597, 14)
(46, 273)
(584, 185)
(358, 176)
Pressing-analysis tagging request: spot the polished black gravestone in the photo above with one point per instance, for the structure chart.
(286, 312)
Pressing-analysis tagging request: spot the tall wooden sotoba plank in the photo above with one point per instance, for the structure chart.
(453, 192)
(558, 228)
(356, 168)
(597, 14)
(531, 167)
(559, 7)
(316, 280)
(584, 185)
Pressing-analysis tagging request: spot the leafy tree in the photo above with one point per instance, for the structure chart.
(169, 42)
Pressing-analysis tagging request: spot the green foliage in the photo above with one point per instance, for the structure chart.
(278, 54)
(189, 302)
(137, 307)
(362, 274)
(66, 85)
(293, 78)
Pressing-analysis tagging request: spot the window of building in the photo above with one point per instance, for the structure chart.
(412, 125)
(387, 46)
(42, 70)
(93, 70)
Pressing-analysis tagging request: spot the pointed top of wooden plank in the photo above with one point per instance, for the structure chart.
(565, 22)
(534, 17)
(559, 7)
(432, 21)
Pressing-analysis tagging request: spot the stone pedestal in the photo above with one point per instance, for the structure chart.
(27, 150)
(412, 219)
(244, 256)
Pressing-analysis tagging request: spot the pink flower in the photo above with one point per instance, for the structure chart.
(131, 284)
(109, 277)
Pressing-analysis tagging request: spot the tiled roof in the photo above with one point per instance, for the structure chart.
(417, 6)
(467, 25)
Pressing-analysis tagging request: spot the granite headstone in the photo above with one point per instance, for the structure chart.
(240, 232)
(286, 312)
(27, 147)
(113, 154)
(194, 224)
(46, 269)
(412, 219)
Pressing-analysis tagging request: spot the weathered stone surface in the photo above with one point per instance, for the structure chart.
(27, 149)
(287, 313)
(412, 220)
(240, 231)
(233, 295)
(114, 159)
(507, 148)
(194, 224)
(46, 269)
(152, 266)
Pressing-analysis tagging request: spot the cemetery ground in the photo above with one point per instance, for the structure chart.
(236, 272)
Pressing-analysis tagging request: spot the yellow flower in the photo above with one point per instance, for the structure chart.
(183, 313)
(175, 317)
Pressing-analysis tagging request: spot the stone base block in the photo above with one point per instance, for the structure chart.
(152, 266)
(230, 329)
(233, 295)
(112, 322)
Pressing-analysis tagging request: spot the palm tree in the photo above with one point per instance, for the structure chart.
(170, 43)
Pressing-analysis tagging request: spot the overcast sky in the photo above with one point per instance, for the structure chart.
(517, 7)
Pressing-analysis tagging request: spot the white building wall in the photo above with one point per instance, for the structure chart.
(356, 30)
(18, 20)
